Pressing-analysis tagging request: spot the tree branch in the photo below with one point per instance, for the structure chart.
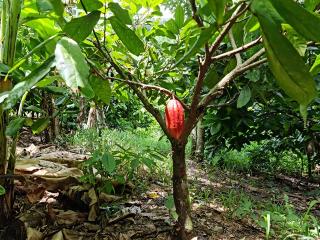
(237, 50)
(225, 81)
(148, 87)
(203, 68)
(234, 46)
(231, 101)
(240, 10)
(195, 16)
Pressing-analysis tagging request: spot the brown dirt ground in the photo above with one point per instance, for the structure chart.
(57, 207)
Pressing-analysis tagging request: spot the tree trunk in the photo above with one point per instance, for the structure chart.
(199, 153)
(82, 113)
(193, 142)
(92, 116)
(5, 210)
(180, 191)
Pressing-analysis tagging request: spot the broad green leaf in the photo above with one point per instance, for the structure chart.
(244, 97)
(211, 78)
(305, 23)
(127, 36)
(91, 5)
(179, 16)
(45, 82)
(311, 4)
(108, 162)
(72, 66)
(34, 109)
(285, 63)
(49, 5)
(2, 190)
(217, 7)
(101, 88)
(215, 128)
(296, 40)
(315, 69)
(56, 90)
(33, 78)
(14, 126)
(4, 69)
(204, 37)
(40, 125)
(172, 26)
(80, 28)
(169, 203)
(120, 13)
(265, 7)
(45, 28)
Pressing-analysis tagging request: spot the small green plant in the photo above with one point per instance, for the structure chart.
(238, 204)
(117, 156)
(287, 223)
(2, 190)
(169, 204)
(233, 160)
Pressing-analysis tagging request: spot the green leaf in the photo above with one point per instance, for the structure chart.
(49, 5)
(205, 35)
(34, 109)
(315, 69)
(56, 90)
(121, 14)
(304, 22)
(91, 5)
(35, 76)
(101, 88)
(217, 7)
(108, 162)
(169, 203)
(80, 28)
(311, 4)
(172, 26)
(45, 28)
(296, 40)
(244, 97)
(179, 16)
(47, 81)
(2, 190)
(285, 63)
(211, 78)
(127, 36)
(14, 126)
(40, 125)
(72, 66)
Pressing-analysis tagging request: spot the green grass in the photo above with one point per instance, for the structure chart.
(278, 220)
(143, 153)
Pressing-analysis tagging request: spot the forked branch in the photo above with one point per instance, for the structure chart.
(226, 80)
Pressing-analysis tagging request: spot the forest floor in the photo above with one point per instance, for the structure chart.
(52, 203)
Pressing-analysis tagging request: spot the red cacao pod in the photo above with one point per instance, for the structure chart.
(174, 116)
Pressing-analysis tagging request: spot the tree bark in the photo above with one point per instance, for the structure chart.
(82, 113)
(92, 116)
(180, 191)
(193, 142)
(199, 153)
(5, 210)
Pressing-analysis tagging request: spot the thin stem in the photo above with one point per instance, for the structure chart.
(237, 50)
(234, 46)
